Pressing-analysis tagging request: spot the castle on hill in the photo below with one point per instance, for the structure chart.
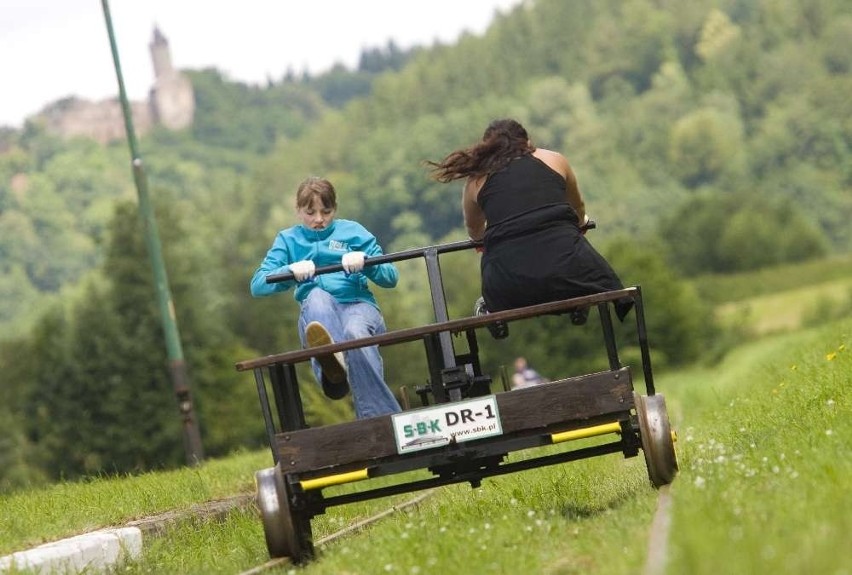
(171, 104)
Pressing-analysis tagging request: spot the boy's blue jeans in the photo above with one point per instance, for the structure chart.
(346, 321)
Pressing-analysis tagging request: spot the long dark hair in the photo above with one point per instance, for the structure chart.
(503, 140)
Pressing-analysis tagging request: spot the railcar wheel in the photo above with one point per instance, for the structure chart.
(288, 534)
(655, 433)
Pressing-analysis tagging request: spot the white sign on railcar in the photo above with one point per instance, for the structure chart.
(446, 423)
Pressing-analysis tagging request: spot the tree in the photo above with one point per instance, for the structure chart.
(706, 144)
(757, 232)
(19, 457)
(680, 325)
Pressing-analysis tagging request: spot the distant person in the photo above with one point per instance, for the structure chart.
(525, 204)
(525, 376)
(337, 306)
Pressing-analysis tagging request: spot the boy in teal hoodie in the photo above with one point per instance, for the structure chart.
(337, 306)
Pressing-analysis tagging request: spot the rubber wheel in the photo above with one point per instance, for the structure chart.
(288, 534)
(655, 433)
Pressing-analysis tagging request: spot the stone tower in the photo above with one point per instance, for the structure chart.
(171, 103)
(171, 99)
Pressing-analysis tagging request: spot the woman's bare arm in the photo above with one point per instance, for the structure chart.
(474, 218)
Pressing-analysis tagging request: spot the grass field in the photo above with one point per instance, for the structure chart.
(765, 450)
(788, 310)
(791, 277)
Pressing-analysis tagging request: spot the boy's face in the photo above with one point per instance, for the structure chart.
(316, 216)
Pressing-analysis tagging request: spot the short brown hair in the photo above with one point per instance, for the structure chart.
(315, 186)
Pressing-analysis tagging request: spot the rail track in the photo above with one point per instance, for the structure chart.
(358, 525)
(657, 550)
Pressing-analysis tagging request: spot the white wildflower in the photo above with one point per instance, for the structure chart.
(736, 533)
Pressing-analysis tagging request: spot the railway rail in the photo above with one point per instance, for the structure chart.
(656, 553)
(356, 526)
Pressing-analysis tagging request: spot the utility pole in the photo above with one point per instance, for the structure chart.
(177, 365)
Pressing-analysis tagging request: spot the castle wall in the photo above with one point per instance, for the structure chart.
(101, 121)
(171, 104)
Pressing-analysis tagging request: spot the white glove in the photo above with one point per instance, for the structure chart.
(353, 262)
(303, 271)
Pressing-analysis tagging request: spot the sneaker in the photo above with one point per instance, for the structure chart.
(579, 316)
(498, 329)
(479, 306)
(335, 382)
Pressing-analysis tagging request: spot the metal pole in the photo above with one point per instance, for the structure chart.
(177, 365)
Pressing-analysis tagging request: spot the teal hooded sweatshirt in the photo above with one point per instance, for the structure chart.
(324, 247)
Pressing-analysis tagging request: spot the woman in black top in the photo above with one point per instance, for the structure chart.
(524, 202)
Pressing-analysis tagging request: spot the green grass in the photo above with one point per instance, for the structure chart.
(790, 309)
(768, 454)
(765, 464)
(764, 448)
(738, 287)
(32, 517)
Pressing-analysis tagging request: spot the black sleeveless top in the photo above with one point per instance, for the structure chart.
(534, 251)
(511, 196)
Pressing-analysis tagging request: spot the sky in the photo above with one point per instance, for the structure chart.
(51, 49)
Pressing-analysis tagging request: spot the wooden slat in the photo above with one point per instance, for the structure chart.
(567, 403)
(453, 326)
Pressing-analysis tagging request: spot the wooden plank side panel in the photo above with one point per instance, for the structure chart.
(567, 403)
(570, 400)
(319, 447)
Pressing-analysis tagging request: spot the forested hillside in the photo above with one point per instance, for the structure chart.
(708, 137)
